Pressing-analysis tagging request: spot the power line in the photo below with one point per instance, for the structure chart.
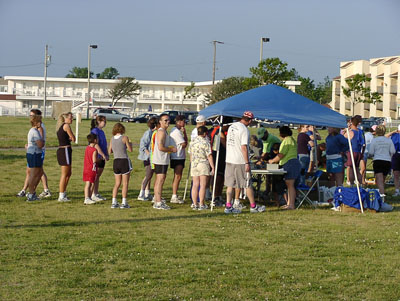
(17, 66)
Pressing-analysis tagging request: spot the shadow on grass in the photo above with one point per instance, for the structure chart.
(11, 157)
(133, 220)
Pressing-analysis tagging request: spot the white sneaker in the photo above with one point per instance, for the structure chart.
(124, 206)
(141, 197)
(161, 206)
(257, 209)
(97, 198)
(64, 199)
(115, 205)
(176, 200)
(238, 205)
(21, 194)
(89, 201)
(32, 197)
(45, 194)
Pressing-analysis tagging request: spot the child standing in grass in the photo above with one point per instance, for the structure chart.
(122, 164)
(90, 168)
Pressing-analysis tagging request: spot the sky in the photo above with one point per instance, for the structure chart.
(171, 39)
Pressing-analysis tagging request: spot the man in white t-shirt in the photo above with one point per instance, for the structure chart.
(237, 171)
(178, 138)
(200, 121)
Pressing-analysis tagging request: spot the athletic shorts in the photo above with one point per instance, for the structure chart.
(292, 168)
(335, 165)
(160, 169)
(381, 166)
(357, 159)
(64, 156)
(101, 163)
(34, 160)
(235, 176)
(146, 163)
(43, 155)
(90, 176)
(396, 162)
(201, 169)
(175, 163)
(122, 166)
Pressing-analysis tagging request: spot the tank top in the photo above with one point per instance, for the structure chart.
(159, 157)
(63, 137)
(356, 141)
(119, 147)
(88, 164)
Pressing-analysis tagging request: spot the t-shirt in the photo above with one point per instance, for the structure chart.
(382, 148)
(101, 140)
(271, 140)
(177, 138)
(238, 135)
(368, 139)
(199, 149)
(33, 136)
(194, 134)
(289, 149)
(302, 144)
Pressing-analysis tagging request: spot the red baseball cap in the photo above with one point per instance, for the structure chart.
(248, 114)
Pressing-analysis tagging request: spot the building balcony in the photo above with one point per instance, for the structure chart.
(366, 106)
(393, 89)
(379, 89)
(348, 106)
(393, 105)
(379, 105)
(337, 91)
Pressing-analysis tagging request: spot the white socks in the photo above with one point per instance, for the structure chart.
(123, 201)
(146, 193)
(114, 200)
(62, 195)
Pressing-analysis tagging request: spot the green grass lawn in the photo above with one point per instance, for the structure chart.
(68, 251)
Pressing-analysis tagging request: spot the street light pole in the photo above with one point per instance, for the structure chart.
(88, 93)
(46, 60)
(214, 61)
(261, 46)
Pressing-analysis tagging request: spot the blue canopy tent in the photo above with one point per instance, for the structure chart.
(275, 103)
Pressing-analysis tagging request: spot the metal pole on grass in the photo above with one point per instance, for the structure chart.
(218, 142)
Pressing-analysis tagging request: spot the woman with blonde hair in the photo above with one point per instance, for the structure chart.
(64, 152)
(381, 149)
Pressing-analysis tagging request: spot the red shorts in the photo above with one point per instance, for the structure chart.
(357, 159)
(89, 176)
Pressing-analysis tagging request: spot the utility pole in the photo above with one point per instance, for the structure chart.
(261, 46)
(88, 74)
(46, 61)
(215, 55)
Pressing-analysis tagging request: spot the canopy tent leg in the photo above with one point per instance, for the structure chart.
(354, 170)
(316, 159)
(218, 142)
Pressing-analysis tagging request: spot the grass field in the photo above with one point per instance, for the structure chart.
(68, 251)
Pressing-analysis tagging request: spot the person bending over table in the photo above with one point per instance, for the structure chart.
(287, 158)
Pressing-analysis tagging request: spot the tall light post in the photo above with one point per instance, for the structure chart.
(263, 40)
(88, 85)
(46, 64)
(215, 55)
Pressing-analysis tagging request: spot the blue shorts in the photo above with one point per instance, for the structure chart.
(335, 165)
(34, 160)
(292, 168)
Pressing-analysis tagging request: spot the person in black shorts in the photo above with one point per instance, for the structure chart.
(64, 152)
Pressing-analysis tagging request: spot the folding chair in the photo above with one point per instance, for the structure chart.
(305, 190)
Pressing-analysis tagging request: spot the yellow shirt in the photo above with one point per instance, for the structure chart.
(289, 149)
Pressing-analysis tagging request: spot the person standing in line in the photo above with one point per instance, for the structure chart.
(287, 158)
(122, 165)
(180, 141)
(357, 143)
(46, 192)
(161, 160)
(97, 126)
(144, 155)
(336, 146)
(382, 149)
(368, 136)
(201, 162)
(237, 171)
(64, 152)
(34, 156)
(314, 135)
(395, 136)
(303, 151)
(90, 169)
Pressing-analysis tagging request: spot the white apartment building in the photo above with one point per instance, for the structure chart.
(384, 73)
(21, 93)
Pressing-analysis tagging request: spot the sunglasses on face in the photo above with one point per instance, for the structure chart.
(166, 120)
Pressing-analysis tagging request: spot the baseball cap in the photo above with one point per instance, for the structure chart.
(248, 114)
(200, 118)
(260, 132)
(374, 127)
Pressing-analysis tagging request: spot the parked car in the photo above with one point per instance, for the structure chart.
(112, 114)
(172, 115)
(143, 118)
(273, 124)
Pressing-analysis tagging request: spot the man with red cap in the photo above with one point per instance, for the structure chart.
(237, 171)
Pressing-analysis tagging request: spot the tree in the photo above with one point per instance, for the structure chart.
(323, 91)
(127, 87)
(108, 73)
(358, 91)
(229, 87)
(272, 71)
(189, 91)
(306, 88)
(78, 72)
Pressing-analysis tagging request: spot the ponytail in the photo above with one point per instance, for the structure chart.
(95, 121)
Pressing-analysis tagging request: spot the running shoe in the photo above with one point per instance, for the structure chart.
(257, 209)
(21, 194)
(114, 205)
(176, 200)
(229, 210)
(89, 201)
(238, 205)
(124, 206)
(161, 206)
(32, 197)
(64, 199)
(98, 198)
(45, 194)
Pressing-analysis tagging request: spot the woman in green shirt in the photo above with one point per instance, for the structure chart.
(287, 158)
